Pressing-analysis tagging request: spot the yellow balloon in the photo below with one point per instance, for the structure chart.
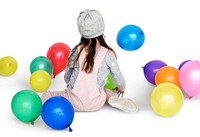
(166, 99)
(8, 66)
(40, 80)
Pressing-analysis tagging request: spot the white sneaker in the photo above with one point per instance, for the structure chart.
(124, 104)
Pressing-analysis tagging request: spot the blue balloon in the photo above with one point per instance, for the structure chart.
(58, 113)
(130, 37)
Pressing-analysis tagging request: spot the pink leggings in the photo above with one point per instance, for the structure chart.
(48, 94)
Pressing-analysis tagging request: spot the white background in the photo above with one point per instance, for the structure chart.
(171, 27)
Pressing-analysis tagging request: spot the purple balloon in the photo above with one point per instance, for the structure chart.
(180, 66)
(151, 68)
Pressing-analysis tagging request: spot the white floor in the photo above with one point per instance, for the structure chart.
(105, 121)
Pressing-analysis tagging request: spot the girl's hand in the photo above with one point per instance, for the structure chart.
(118, 92)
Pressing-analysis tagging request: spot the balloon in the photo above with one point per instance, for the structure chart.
(58, 113)
(58, 54)
(110, 83)
(190, 78)
(40, 80)
(151, 68)
(168, 74)
(8, 66)
(26, 105)
(130, 37)
(41, 63)
(180, 66)
(166, 99)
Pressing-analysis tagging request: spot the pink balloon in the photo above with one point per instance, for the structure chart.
(189, 77)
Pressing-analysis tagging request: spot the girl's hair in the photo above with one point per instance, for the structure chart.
(89, 60)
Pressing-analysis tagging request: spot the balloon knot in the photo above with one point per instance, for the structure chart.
(70, 129)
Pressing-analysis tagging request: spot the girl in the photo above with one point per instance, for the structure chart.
(88, 67)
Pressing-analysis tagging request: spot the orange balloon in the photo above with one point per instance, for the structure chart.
(168, 74)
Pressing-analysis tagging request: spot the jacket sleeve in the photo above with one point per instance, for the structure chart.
(115, 71)
(71, 64)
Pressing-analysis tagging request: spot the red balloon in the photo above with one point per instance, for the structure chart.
(58, 53)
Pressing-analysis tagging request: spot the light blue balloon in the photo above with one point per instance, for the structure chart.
(130, 37)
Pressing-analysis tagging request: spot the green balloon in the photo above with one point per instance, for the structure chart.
(110, 83)
(41, 63)
(26, 105)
